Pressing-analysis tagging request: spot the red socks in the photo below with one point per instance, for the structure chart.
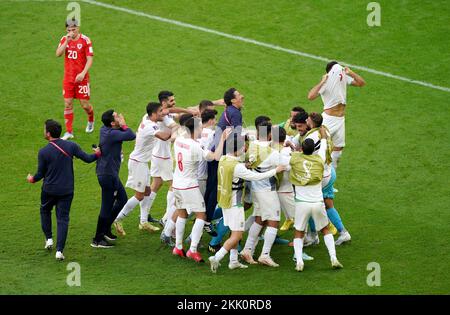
(90, 113)
(68, 118)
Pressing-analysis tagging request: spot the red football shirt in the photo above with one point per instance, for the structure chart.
(76, 57)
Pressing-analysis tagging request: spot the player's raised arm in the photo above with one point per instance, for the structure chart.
(357, 79)
(314, 92)
(63, 45)
(219, 148)
(164, 135)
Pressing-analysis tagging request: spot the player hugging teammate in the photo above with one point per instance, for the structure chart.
(288, 169)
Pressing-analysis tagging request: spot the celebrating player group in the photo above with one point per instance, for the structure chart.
(218, 170)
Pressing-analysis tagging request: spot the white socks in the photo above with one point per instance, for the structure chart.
(169, 227)
(129, 206)
(335, 157)
(269, 239)
(196, 234)
(220, 254)
(329, 242)
(298, 249)
(233, 255)
(249, 222)
(145, 208)
(179, 232)
(252, 237)
(170, 206)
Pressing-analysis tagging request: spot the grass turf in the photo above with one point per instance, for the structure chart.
(393, 179)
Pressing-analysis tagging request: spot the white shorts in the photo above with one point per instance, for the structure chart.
(202, 186)
(189, 199)
(162, 168)
(266, 205)
(234, 218)
(336, 126)
(138, 176)
(305, 210)
(287, 202)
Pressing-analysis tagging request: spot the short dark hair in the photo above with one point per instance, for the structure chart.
(153, 107)
(308, 146)
(204, 104)
(208, 114)
(53, 127)
(234, 143)
(72, 23)
(184, 118)
(317, 119)
(108, 117)
(330, 65)
(261, 119)
(300, 118)
(278, 134)
(228, 96)
(297, 109)
(192, 123)
(164, 95)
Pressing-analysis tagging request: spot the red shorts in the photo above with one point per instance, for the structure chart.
(79, 90)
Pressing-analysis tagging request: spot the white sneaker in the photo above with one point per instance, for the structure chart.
(59, 256)
(267, 260)
(305, 257)
(236, 265)
(247, 256)
(343, 237)
(314, 240)
(335, 263)
(90, 127)
(67, 136)
(299, 267)
(214, 264)
(49, 244)
(335, 190)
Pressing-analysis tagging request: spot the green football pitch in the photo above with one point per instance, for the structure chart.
(393, 179)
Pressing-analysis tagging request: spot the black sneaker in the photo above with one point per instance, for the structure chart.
(152, 220)
(110, 237)
(101, 244)
(213, 248)
(208, 228)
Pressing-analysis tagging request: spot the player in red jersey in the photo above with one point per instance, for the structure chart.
(79, 56)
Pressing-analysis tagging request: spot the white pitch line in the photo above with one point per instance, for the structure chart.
(262, 44)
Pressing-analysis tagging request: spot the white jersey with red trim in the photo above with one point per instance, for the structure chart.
(188, 154)
(206, 141)
(334, 91)
(162, 148)
(145, 140)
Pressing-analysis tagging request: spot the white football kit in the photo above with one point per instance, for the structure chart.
(206, 142)
(162, 163)
(264, 194)
(333, 93)
(138, 171)
(188, 154)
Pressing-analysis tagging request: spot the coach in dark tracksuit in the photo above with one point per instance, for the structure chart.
(55, 166)
(114, 196)
(231, 118)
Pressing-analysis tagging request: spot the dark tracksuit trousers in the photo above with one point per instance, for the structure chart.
(62, 204)
(114, 197)
(211, 190)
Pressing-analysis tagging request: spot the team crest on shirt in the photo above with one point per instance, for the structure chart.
(79, 46)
